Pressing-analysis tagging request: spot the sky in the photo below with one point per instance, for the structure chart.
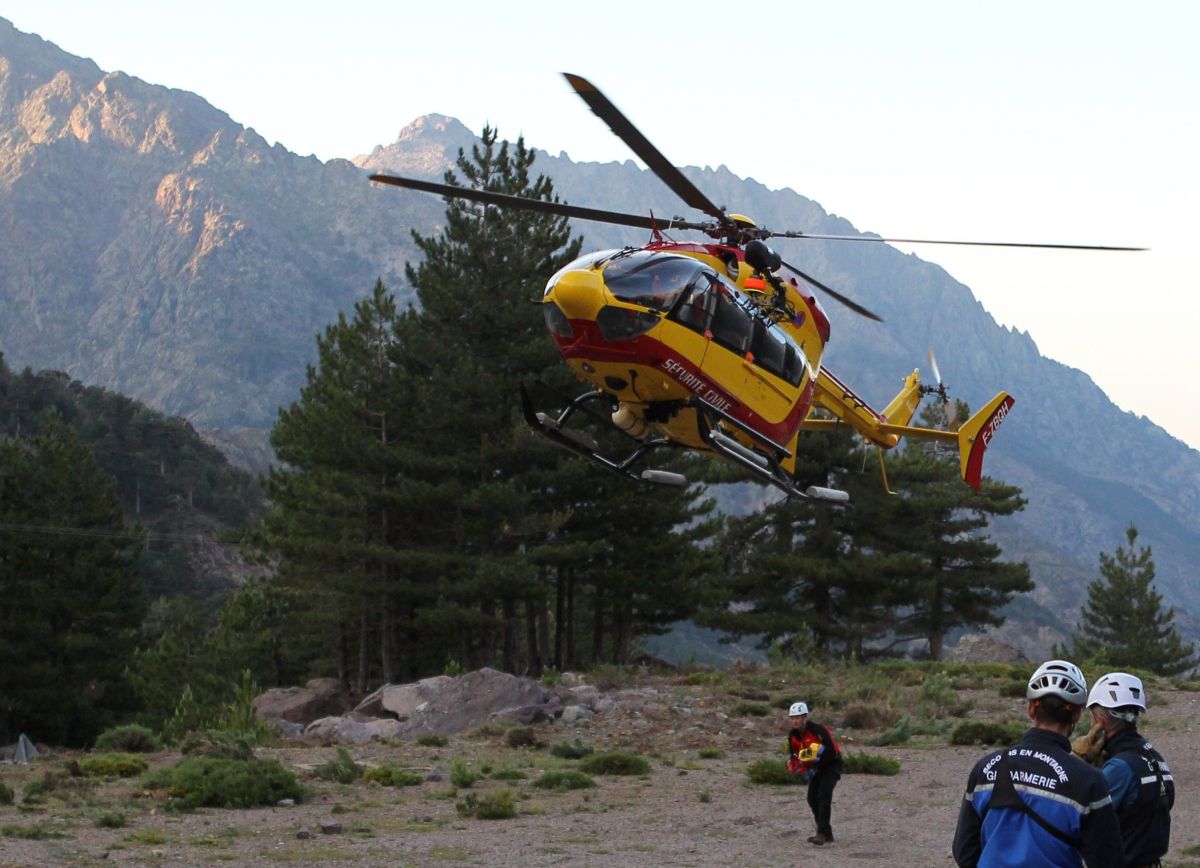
(1049, 121)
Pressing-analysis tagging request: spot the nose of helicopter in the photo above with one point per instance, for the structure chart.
(579, 294)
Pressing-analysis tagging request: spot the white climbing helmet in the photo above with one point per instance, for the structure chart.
(797, 709)
(1058, 678)
(1118, 690)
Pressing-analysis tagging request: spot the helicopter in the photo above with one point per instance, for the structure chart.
(713, 346)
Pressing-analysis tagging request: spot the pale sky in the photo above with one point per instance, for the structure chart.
(1053, 121)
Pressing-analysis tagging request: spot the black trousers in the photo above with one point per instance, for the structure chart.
(820, 798)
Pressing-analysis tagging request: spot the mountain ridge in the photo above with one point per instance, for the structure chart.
(164, 251)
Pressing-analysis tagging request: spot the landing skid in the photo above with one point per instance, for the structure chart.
(763, 462)
(554, 429)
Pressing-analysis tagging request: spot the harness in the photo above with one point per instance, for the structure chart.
(1005, 795)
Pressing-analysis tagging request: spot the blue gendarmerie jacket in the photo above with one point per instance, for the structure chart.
(1143, 793)
(1063, 790)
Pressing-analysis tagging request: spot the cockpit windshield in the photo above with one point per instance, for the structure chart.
(648, 278)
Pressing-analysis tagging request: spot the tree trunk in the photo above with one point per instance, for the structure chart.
(598, 628)
(570, 655)
(560, 619)
(511, 633)
(363, 663)
(387, 640)
(533, 651)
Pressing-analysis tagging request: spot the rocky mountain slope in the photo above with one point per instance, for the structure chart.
(155, 247)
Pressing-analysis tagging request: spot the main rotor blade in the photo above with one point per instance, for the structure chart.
(795, 234)
(640, 145)
(837, 296)
(503, 200)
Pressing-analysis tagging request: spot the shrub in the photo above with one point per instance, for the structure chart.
(392, 776)
(570, 750)
(67, 788)
(131, 738)
(521, 736)
(216, 744)
(614, 763)
(112, 765)
(900, 733)
(497, 806)
(6, 795)
(869, 715)
(986, 732)
(750, 709)
(222, 783)
(869, 764)
(341, 769)
(711, 753)
(564, 780)
(462, 776)
(770, 771)
(1013, 688)
(110, 821)
(432, 741)
(32, 833)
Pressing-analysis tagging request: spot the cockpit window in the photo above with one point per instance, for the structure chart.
(652, 279)
(587, 261)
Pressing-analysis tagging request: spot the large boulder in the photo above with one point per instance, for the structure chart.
(321, 697)
(443, 705)
(978, 648)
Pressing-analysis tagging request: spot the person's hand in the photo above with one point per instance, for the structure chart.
(1088, 747)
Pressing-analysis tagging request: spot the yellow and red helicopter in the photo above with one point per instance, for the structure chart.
(705, 346)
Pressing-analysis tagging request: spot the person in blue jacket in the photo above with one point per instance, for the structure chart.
(1036, 803)
(1139, 780)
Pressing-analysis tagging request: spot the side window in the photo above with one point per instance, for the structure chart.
(693, 307)
(775, 353)
(731, 326)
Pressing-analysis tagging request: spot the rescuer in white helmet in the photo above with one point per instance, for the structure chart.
(815, 755)
(1139, 781)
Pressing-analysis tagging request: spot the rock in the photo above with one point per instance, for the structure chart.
(978, 648)
(576, 714)
(303, 834)
(286, 803)
(320, 697)
(337, 730)
(402, 701)
(331, 828)
(584, 694)
(526, 715)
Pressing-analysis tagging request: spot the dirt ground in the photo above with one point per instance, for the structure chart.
(688, 811)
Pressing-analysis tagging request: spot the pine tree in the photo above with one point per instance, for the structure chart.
(70, 599)
(1123, 622)
(796, 573)
(958, 579)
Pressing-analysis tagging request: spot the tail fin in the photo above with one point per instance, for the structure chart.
(901, 408)
(975, 435)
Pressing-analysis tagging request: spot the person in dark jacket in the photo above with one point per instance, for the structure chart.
(1139, 781)
(815, 754)
(1037, 804)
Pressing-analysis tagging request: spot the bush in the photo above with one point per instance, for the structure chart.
(112, 765)
(391, 776)
(570, 750)
(221, 783)
(131, 738)
(6, 795)
(614, 763)
(342, 769)
(64, 787)
(497, 806)
(565, 780)
(521, 736)
(985, 732)
(110, 821)
(1013, 689)
(216, 744)
(750, 709)
(432, 741)
(770, 771)
(461, 775)
(900, 733)
(711, 753)
(869, 764)
(869, 715)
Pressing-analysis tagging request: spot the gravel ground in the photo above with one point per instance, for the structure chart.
(687, 811)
